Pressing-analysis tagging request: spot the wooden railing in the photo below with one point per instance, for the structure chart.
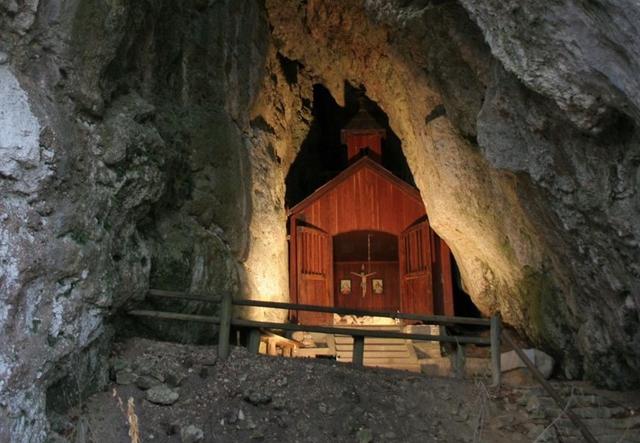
(226, 320)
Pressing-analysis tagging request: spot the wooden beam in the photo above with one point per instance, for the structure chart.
(496, 326)
(358, 351)
(322, 329)
(431, 319)
(226, 308)
(254, 341)
(174, 316)
(359, 332)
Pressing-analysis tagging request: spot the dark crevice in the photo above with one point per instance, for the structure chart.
(323, 156)
(438, 111)
(289, 68)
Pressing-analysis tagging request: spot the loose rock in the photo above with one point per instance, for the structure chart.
(146, 382)
(191, 434)
(162, 395)
(126, 377)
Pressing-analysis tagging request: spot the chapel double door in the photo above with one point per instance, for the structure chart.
(424, 274)
(416, 269)
(314, 263)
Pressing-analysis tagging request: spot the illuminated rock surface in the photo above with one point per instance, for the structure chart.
(148, 145)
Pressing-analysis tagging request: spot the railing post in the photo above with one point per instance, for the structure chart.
(460, 360)
(358, 351)
(226, 307)
(496, 327)
(254, 341)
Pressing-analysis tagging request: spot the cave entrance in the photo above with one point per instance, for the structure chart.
(359, 234)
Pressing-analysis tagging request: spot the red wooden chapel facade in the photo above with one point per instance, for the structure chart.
(363, 239)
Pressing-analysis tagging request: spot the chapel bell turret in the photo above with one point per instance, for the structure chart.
(363, 133)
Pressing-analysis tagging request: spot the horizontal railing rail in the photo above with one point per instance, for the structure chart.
(359, 332)
(430, 319)
(225, 320)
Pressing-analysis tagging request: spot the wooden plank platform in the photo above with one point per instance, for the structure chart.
(392, 353)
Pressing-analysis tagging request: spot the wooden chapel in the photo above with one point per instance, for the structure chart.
(363, 239)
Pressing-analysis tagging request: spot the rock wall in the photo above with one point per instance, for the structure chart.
(125, 148)
(147, 144)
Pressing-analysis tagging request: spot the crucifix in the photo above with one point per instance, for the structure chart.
(363, 279)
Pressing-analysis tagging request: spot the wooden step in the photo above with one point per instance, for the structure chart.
(399, 365)
(375, 347)
(385, 362)
(370, 340)
(386, 327)
(374, 354)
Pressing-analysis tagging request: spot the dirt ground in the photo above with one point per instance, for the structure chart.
(267, 399)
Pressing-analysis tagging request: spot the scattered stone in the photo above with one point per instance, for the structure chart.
(519, 377)
(231, 417)
(279, 403)
(390, 435)
(145, 382)
(173, 378)
(118, 364)
(191, 434)
(187, 362)
(172, 428)
(162, 395)
(257, 398)
(126, 377)
(241, 415)
(364, 435)
(281, 421)
(209, 361)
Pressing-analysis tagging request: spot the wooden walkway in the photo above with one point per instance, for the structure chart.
(392, 353)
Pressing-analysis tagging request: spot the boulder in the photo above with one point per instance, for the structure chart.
(162, 395)
(543, 362)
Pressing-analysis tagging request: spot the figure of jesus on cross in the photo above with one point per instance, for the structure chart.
(363, 279)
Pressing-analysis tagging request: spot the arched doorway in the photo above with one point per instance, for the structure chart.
(366, 270)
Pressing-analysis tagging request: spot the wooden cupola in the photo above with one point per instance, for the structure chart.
(363, 133)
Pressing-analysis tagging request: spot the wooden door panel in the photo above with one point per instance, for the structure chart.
(416, 273)
(314, 265)
(416, 295)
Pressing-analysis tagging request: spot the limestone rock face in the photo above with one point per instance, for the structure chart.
(124, 151)
(146, 144)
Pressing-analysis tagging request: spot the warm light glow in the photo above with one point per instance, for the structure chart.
(266, 267)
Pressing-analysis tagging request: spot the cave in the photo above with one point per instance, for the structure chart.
(162, 145)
